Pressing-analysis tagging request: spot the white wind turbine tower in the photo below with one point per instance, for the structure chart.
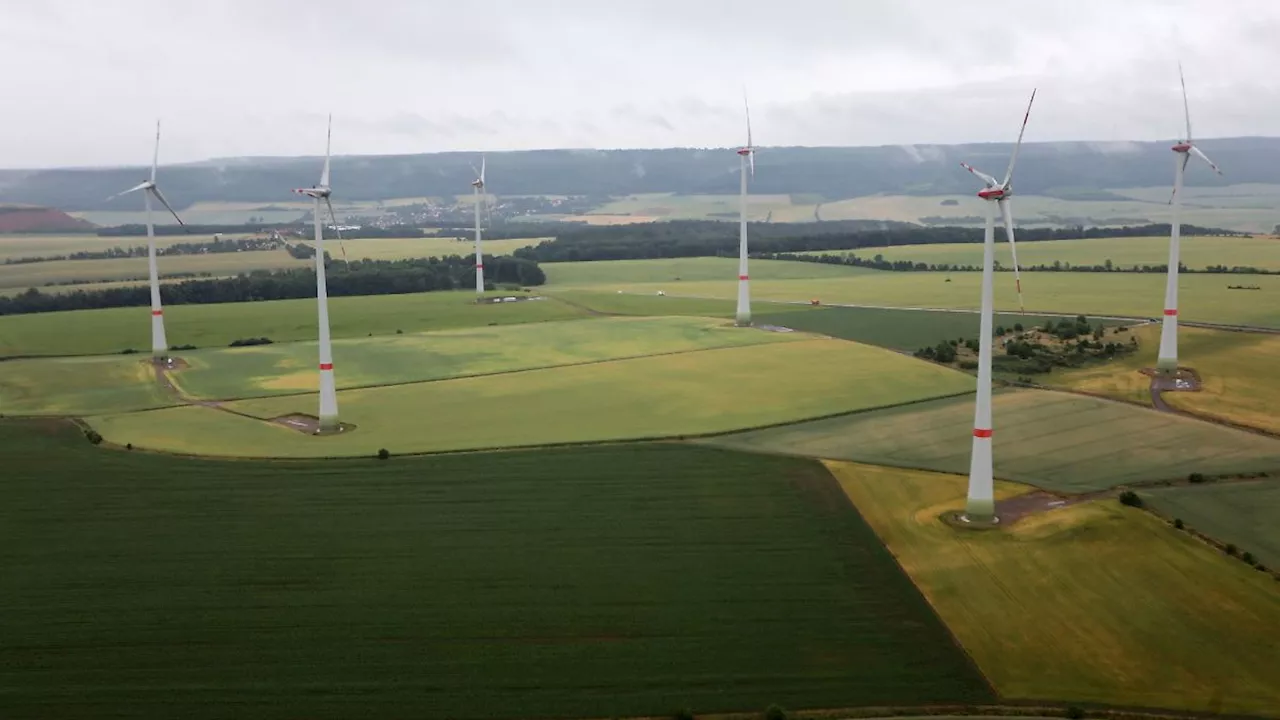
(328, 390)
(477, 189)
(159, 345)
(1167, 360)
(981, 505)
(747, 162)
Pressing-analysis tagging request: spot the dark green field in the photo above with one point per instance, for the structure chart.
(587, 582)
(897, 329)
(1246, 514)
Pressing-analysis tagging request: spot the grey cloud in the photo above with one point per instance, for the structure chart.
(257, 77)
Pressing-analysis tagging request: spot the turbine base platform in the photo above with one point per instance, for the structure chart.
(310, 425)
(169, 362)
(960, 520)
(1182, 379)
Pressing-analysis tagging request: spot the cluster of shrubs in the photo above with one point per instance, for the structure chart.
(247, 342)
(1029, 357)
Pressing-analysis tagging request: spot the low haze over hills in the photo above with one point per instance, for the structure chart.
(1070, 170)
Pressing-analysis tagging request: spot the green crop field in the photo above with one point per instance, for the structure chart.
(115, 329)
(1249, 208)
(291, 367)
(676, 272)
(13, 247)
(613, 303)
(648, 207)
(1094, 602)
(686, 394)
(1238, 373)
(421, 247)
(79, 386)
(898, 329)
(1060, 442)
(1203, 298)
(1196, 252)
(565, 583)
(38, 274)
(1246, 513)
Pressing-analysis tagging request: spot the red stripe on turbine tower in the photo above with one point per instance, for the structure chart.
(980, 433)
(157, 312)
(1171, 312)
(326, 366)
(479, 267)
(742, 277)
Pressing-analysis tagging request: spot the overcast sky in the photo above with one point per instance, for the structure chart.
(84, 80)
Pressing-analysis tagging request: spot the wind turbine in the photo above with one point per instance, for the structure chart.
(746, 159)
(477, 189)
(328, 390)
(981, 505)
(1167, 360)
(159, 345)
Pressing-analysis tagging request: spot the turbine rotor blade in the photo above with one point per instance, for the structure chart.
(747, 107)
(1186, 158)
(1186, 109)
(155, 158)
(1013, 159)
(1007, 211)
(333, 216)
(482, 170)
(135, 188)
(990, 181)
(156, 191)
(328, 142)
(1196, 151)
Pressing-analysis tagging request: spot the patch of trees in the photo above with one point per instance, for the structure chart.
(1079, 343)
(250, 342)
(708, 238)
(366, 277)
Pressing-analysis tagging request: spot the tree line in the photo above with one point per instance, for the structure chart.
(365, 277)
(702, 238)
(218, 245)
(880, 263)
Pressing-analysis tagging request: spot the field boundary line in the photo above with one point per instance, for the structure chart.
(581, 363)
(968, 311)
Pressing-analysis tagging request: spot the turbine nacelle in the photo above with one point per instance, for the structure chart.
(995, 193)
(746, 151)
(1182, 147)
(319, 193)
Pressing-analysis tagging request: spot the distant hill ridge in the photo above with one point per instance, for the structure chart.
(1072, 170)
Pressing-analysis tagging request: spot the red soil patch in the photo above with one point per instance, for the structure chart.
(40, 219)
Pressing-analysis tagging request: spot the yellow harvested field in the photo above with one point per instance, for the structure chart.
(1095, 602)
(1240, 373)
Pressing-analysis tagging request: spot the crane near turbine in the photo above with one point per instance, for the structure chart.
(149, 188)
(328, 391)
(980, 506)
(1167, 360)
(746, 163)
(477, 189)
